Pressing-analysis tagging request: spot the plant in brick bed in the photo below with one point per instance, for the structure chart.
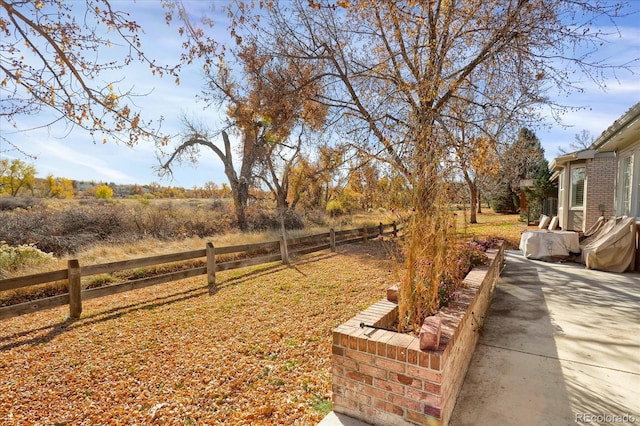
(430, 258)
(414, 375)
(435, 260)
(469, 255)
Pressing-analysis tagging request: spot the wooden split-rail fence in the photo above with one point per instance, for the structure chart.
(254, 254)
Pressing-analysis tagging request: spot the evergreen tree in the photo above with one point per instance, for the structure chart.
(523, 160)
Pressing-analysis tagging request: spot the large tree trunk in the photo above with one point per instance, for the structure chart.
(473, 193)
(473, 218)
(239, 186)
(240, 193)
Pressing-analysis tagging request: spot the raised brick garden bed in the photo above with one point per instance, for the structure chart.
(383, 378)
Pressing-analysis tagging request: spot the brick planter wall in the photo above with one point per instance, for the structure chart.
(383, 378)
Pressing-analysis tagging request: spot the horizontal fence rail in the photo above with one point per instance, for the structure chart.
(253, 254)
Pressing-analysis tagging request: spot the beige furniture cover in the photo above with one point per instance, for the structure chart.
(611, 247)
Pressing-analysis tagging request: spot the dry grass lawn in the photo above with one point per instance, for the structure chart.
(504, 226)
(256, 352)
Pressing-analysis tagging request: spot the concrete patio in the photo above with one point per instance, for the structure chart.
(560, 346)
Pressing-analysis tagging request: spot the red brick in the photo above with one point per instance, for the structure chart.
(391, 350)
(401, 354)
(412, 356)
(337, 390)
(357, 396)
(406, 380)
(362, 344)
(389, 386)
(396, 366)
(381, 348)
(336, 338)
(372, 371)
(425, 397)
(434, 361)
(341, 381)
(432, 388)
(401, 401)
(371, 346)
(359, 356)
(424, 373)
(373, 391)
(359, 377)
(336, 369)
(345, 402)
(388, 407)
(367, 412)
(344, 340)
(354, 337)
(430, 333)
(337, 350)
(423, 359)
(432, 411)
(345, 362)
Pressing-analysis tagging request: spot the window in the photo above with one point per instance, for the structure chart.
(577, 186)
(626, 186)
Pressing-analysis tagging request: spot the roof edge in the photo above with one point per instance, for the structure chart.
(632, 114)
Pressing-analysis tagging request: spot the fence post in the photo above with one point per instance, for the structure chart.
(395, 229)
(365, 234)
(381, 232)
(283, 250)
(75, 289)
(332, 240)
(211, 266)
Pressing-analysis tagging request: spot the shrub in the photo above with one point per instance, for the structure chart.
(13, 258)
(12, 203)
(468, 255)
(261, 220)
(335, 208)
(104, 192)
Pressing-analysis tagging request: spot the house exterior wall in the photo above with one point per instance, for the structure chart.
(611, 175)
(601, 177)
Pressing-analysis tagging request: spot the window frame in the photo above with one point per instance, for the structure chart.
(572, 186)
(626, 186)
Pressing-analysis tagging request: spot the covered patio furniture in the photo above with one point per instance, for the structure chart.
(613, 247)
(549, 245)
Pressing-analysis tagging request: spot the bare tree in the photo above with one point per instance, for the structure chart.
(53, 53)
(196, 138)
(581, 140)
(265, 103)
(394, 68)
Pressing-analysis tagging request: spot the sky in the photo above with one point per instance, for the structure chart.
(71, 153)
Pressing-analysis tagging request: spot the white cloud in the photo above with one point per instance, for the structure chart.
(62, 160)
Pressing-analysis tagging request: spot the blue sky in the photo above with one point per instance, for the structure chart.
(72, 154)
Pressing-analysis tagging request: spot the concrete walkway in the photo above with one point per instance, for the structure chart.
(560, 346)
